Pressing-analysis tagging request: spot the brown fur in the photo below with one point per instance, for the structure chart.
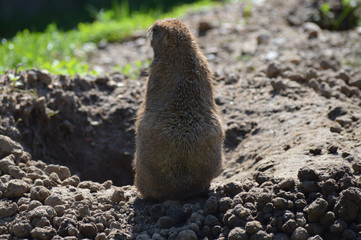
(179, 135)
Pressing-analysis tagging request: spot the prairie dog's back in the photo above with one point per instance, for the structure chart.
(179, 135)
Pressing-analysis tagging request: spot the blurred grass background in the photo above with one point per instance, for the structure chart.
(61, 46)
(66, 14)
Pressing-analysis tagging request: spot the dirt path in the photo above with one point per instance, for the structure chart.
(276, 85)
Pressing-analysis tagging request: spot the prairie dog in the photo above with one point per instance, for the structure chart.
(179, 134)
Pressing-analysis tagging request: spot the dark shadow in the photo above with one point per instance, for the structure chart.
(236, 132)
(90, 130)
(173, 213)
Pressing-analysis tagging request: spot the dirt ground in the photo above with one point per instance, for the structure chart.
(289, 94)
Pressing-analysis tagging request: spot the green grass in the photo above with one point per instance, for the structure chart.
(350, 15)
(66, 52)
(133, 70)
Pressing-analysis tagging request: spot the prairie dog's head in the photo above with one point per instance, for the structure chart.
(168, 34)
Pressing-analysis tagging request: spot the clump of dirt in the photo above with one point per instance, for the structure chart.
(290, 101)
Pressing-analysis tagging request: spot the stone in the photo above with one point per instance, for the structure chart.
(309, 186)
(101, 236)
(336, 112)
(289, 226)
(316, 209)
(63, 225)
(241, 211)
(315, 229)
(23, 201)
(92, 186)
(62, 171)
(263, 199)
(328, 218)
(329, 64)
(44, 77)
(253, 227)
(279, 203)
(210, 206)
(336, 129)
(88, 230)
(356, 166)
(352, 193)
(73, 231)
(343, 75)
(307, 174)
(31, 76)
(231, 189)
(300, 204)
(310, 74)
(118, 195)
(312, 29)
(329, 186)
(16, 172)
(33, 204)
(102, 79)
(225, 203)
(281, 236)
(7, 162)
(346, 209)
(262, 235)
(216, 230)
(60, 209)
(273, 70)
(107, 184)
(42, 211)
(349, 234)
(8, 146)
(165, 222)
(40, 222)
(187, 234)
(54, 178)
(355, 82)
(278, 86)
(16, 188)
(261, 177)
(300, 234)
(45, 233)
(287, 184)
(238, 233)
(262, 38)
(210, 220)
(156, 211)
(338, 226)
(53, 200)
(346, 90)
(7, 208)
(72, 181)
(39, 193)
(21, 228)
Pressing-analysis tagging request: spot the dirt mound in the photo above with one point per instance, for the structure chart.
(290, 101)
(76, 122)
